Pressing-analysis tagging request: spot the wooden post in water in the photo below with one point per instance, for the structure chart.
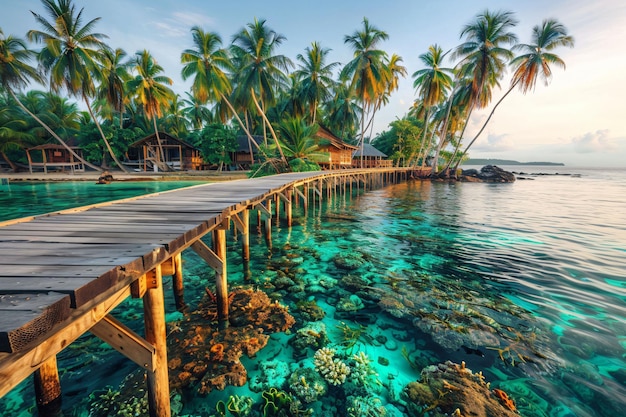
(48, 388)
(221, 277)
(177, 282)
(154, 321)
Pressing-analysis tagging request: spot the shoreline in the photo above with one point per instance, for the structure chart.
(118, 176)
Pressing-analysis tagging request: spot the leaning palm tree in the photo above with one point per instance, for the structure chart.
(366, 70)
(315, 77)
(534, 62)
(433, 83)
(152, 93)
(209, 64)
(484, 57)
(70, 54)
(16, 73)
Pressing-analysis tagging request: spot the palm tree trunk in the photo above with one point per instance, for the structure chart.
(280, 149)
(11, 163)
(444, 135)
(54, 135)
(245, 129)
(458, 145)
(106, 142)
(424, 133)
(485, 124)
(161, 154)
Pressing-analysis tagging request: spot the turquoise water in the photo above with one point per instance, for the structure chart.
(524, 282)
(24, 198)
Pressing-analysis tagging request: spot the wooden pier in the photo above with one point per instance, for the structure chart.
(61, 274)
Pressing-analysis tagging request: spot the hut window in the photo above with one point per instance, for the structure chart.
(56, 153)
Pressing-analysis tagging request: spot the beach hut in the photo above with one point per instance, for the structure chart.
(242, 158)
(51, 156)
(372, 158)
(178, 154)
(340, 152)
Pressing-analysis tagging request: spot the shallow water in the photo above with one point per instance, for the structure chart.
(25, 198)
(523, 281)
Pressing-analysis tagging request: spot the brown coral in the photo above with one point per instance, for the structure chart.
(217, 352)
(504, 399)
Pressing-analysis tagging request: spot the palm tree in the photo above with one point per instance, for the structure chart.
(208, 64)
(15, 73)
(260, 71)
(196, 112)
(343, 111)
(366, 70)
(484, 57)
(298, 139)
(113, 76)
(152, 93)
(534, 62)
(432, 83)
(13, 134)
(69, 56)
(315, 77)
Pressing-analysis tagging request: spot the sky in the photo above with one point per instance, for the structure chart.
(579, 119)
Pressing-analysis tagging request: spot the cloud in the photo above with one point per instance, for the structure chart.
(590, 142)
(495, 143)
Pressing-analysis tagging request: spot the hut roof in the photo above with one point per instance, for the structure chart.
(324, 133)
(368, 151)
(164, 137)
(53, 146)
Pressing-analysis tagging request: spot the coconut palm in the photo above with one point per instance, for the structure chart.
(152, 93)
(16, 73)
(260, 71)
(113, 76)
(534, 62)
(484, 57)
(209, 64)
(70, 54)
(13, 134)
(298, 139)
(196, 112)
(366, 70)
(315, 77)
(343, 111)
(433, 83)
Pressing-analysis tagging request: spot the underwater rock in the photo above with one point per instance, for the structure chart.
(350, 304)
(312, 336)
(349, 261)
(310, 311)
(364, 406)
(354, 283)
(449, 389)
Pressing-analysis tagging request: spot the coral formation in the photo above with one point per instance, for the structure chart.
(332, 370)
(362, 373)
(309, 310)
(208, 357)
(452, 389)
(307, 385)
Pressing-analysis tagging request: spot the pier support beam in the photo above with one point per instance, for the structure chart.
(177, 282)
(48, 388)
(154, 321)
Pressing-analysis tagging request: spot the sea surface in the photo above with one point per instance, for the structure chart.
(524, 282)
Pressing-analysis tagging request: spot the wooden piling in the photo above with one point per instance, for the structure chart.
(48, 388)
(221, 277)
(154, 320)
(177, 282)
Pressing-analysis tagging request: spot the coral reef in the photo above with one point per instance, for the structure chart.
(309, 310)
(332, 370)
(452, 389)
(365, 407)
(270, 374)
(208, 357)
(312, 336)
(362, 373)
(307, 385)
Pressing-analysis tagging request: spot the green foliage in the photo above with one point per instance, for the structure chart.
(216, 141)
(303, 165)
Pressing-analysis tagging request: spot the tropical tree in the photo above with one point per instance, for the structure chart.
(113, 76)
(209, 64)
(534, 62)
(484, 57)
(152, 93)
(366, 70)
(315, 77)
(260, 70)
(196, 112)
(343, 112)
(432, 83)
(70, 54)
(13, 134)
(16, 73)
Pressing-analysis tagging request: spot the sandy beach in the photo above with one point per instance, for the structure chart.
(121, 176)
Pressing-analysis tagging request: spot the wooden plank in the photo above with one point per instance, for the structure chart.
(23, 317)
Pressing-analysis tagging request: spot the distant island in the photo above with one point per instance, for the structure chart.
(479, 161)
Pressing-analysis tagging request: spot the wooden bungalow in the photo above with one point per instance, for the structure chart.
(242, 158)
(178, 155)
(372, 158)
(55, 157)
(340, 152)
